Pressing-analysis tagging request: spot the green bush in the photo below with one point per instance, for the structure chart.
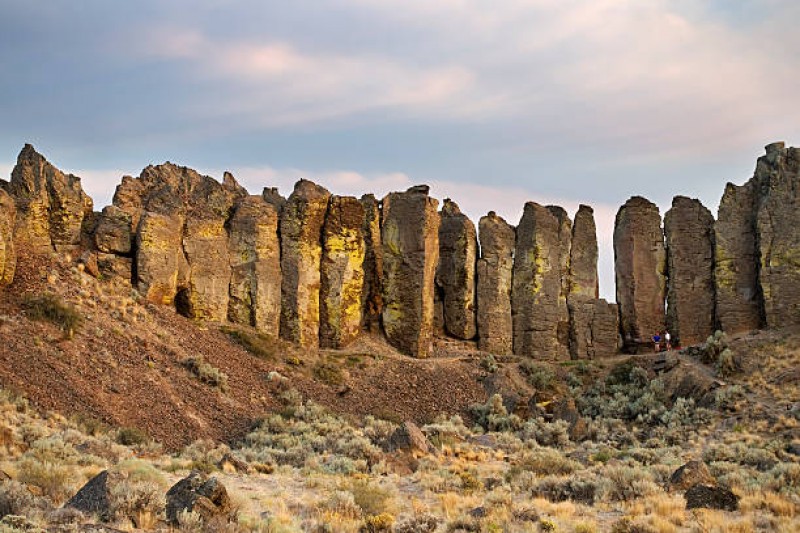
(206, 373)
(329, 373)
(52, 308)
(540, 376)
(131, 436)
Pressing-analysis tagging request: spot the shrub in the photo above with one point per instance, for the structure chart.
(560, 489)
(489, 363)
(493, 416)
(258, 344)
(727, 398)
(15, 499)
(539, 375)
(625, 483)
(547, 461)
(206, 373)
(728, 363)
(56, 481)
(52, 308)
(131, 436)
(424, 523)
(372, 499)
(328, 373)
(378, 523)
(138, 501)
(545, 433)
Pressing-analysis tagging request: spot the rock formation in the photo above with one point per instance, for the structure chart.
(455, 275)
(778, 229)
(495, 332)
(565, 245)
(114, 231)
(689, 231)
(640, 266)
(301, 223)
(342, 274)
(536, 285)
(739, 306)
(583, 279)
(8, 256)
(255, 262)
(51, 205)
(160, 264)
(372, 297)
(410, 240)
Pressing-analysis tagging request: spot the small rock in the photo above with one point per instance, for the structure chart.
(409, 437)
(93, 497)
(203, 495)
(89, 262)
(710, 497)
(690, 474)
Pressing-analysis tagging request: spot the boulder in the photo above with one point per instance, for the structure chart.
(565, 409)
(778, 227)
(689, 475)
(640, 268)
(372, 297)
(739, 304)
(410, 245)
(113, 234)
(409, 438)
(711, 497)
(255, 262)
(94, 497)
(302, 218)
(689, 231)
(583, 279)
(495, 333)
(455, 275)
(8, 256)
(342, 274)
(594, 328)
(50, 205)
(203, 495)
(536, 285)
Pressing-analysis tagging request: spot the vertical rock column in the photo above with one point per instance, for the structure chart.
(255, 259)
(739, 306)
(640, 266)
(301, 223)
(536, 286)
(372, 297)
(8, 257)
(160, 263)
(583, 279)
(342, 280)
(495, 332)
(565, 245)
(689, 231)
(778, 226)
(458, 250)
(410, 239)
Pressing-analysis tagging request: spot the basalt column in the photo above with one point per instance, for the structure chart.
(301, 223)
(565, 244)
(8, 257)
(640, 266)
(458, 249)
(536, 285)
(372, 297)
(255, 259)
(689, 231)
(583, 279)
(342, 272)
(410, 239)
(778, 226)
(495, 332)
(739, 305)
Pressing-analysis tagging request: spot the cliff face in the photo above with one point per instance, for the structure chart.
(318, 269)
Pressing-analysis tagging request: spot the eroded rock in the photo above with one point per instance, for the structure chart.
(495, 331)
(455, 275)
(114, 231)
(372, 295)
(594, 328)
(8, 256)
(583, 279)
(302, 218)
(410, 244)
(255, 262)
(202, 495)
(536, 285)
(640, 267)
(689, 231)
(342, 274)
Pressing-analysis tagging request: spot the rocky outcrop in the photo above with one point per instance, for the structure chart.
(342, 274)
(583, 279)
(565, 246)
(202, 495)
(689, 475)
(114, 231)
(495, 331)
(778, 234)
(8, 256)
(689, 232)
(372, 295)
(302, 218)
(161, 266)
(739, 305)
(94, 498)
(255, 262)
(410, 240)
(640, 267)
(455, 275)
(51, 205)
(536, 285)
(594, 328)
(711, 497)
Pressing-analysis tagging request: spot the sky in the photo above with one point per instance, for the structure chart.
(491, 103)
